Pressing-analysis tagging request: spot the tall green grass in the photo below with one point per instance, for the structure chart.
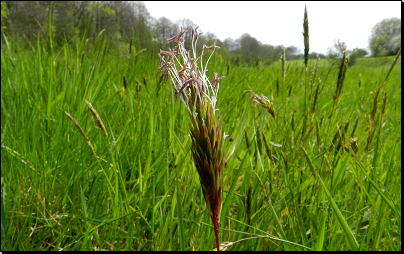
(143, 192)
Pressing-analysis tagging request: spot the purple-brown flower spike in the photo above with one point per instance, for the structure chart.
(199, 96)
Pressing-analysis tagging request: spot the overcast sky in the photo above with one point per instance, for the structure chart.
(281, 23)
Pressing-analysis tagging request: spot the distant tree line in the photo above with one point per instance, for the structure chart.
(25, 21)
(130, 22)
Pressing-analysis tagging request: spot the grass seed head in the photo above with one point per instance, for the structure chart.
(306, 36)
(341, 73)
(81, 131)
(267, 148)
(315, 98)
(248, 205)
(77, 125)
(97, 119)
(262, 101)
(318, 136)
(360, 80)
(374, 109)
(247, 140)
(328, 163)
(125, 82)
(199, 96)
(313, 171)
(371, 132)
(354, 145)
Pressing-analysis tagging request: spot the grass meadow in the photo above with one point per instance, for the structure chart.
(324, 178)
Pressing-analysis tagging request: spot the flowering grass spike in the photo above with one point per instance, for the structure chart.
(199, 96)
(263, 101)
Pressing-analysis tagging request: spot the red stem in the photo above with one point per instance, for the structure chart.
(217, 239)
(215, 222)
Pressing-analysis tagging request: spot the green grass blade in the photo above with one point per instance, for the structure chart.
(83, 203)
(381, 193)
(265, 236)
(179, 212)
(344, 225)
(22, 231)
(321, 235)
(233, 185)
(287, 247)
(179, 207)
(4, 222)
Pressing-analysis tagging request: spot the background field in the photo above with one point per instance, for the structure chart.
(143, 192)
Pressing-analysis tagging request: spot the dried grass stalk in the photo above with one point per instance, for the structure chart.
(328, 163)
(248, 205)
(360, 80)
(81, 131)
(371, 132)
(374, 109)
(269, 152)
(313, 171)
(392, 66)
(98, 120)
(315, 99)
(318, 137)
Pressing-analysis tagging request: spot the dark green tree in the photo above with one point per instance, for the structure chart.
(249, 47)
